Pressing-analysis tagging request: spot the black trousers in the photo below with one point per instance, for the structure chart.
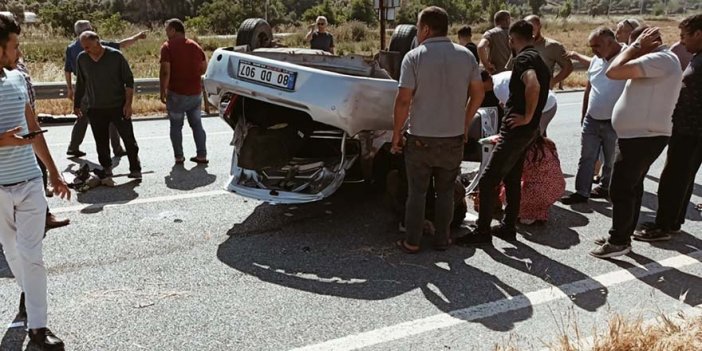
(506, 165)
(631, 164)
(100, 120)
(678, 180)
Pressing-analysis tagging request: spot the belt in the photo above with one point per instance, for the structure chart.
(18, 183)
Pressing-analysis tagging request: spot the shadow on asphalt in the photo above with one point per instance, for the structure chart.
(14, 340)
(559, 232)
(183, 179)
(344, 247)
(97, 198)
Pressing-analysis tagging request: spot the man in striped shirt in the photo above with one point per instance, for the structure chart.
(22, 201)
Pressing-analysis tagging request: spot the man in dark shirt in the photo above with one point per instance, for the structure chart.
(685, 145)
(318, 36)
(72, 51)
(105, 79)
(529, 87)
(464, 38)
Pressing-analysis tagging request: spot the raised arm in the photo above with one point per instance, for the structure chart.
(127, 42)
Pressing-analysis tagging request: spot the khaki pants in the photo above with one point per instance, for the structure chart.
(22, 220)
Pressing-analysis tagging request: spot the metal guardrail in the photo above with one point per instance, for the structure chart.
(57, 90)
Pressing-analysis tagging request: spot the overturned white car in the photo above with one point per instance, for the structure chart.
(304, 120)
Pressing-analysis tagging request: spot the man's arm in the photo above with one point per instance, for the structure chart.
(484, 53)
(403, 100)
(531, 94)
(566, 68)
(127, 42)
(476, 94)
(582, 59)
(69, 85)
(128, 79)
(622, 68)
(80, 90)
(42, 151)
(308, 37)
(12, 138)
(586, 102)
(164, 77)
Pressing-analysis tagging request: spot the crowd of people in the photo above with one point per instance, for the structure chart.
(102, 98)
(641, 97)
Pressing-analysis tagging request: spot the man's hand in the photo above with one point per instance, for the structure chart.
(69, 94)
(59, 187)
(141, 35)
(78, 112)
(650, 39)
(127, 111)
(515, 120)
(11, 138)
(398, 143)
(164, 96)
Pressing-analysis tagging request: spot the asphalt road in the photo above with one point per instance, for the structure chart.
(175, 263)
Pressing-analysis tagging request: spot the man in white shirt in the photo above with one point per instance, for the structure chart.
(642, 120)
(601, 93)
(500, 86)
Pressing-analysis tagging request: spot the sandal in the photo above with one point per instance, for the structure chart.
(200, 161)
(402, 245)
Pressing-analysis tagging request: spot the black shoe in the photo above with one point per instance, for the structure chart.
(573, 199)
(120, 153)
(505, 233)
(22, 314)
(45, 339)
(75, 153)
(599, 193)
(651, 232)
(475, 238)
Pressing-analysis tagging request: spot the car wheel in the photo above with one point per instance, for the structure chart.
(256, 33)
(403, 38)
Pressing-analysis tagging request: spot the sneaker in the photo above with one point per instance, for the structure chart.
(650, 232)
(475, 238)
(22, 313)
(505, 233)
(599, 192)
(75, 153)
(601, 240)
(134, 175)
(573, 199)
(608, 250)
(45, 339)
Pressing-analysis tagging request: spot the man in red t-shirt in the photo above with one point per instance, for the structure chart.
(182, 64)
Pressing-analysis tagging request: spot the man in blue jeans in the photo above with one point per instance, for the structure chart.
(182, 64)
(601, 93)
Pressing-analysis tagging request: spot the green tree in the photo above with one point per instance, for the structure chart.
(536, 5)
(61, 14)
(325, 9)
(566, 9)
(363, 11)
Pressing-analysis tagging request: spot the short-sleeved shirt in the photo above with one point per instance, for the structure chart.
(500, 84)
(645, 108)
(18, 163)
(31, 94)
(604, 92)
(527, 59)
(322, 41)
(687, 118)
(74, 49)
(103, 82)
(500, 51)
(185, 57)
(473, 50)
(552, 52)
(439, 72)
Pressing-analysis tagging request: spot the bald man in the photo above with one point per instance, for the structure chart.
(552, 52)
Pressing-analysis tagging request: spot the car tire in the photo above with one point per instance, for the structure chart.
(402, 38)
(256, 33)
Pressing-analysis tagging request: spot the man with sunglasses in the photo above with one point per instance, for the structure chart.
(318, 36)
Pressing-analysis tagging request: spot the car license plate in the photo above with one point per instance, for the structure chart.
(266, 75)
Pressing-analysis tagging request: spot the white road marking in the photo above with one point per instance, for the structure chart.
(140, 201)
(141, 138)
(534, 298)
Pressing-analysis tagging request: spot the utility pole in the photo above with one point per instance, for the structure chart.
(381, 5)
